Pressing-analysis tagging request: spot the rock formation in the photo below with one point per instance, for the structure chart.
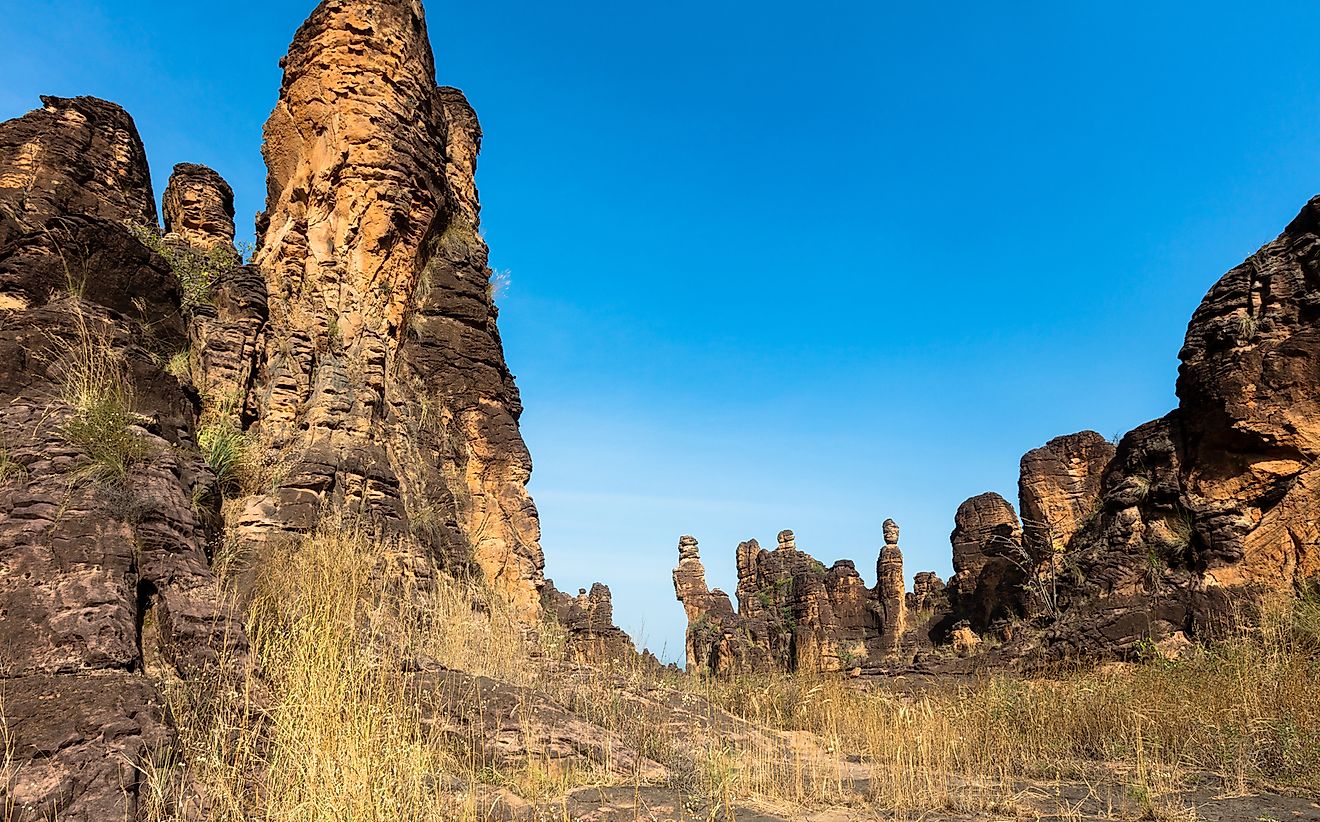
(588, 622)
(987, 554)
(1059, 490)
(104, 573)
(928, 593)
(383, 383)
(226, 328)
(713, 641)
(794, 614)
(1249, 407)
(198, 208)
(358, 353)
(891, 588)
(1194, 516)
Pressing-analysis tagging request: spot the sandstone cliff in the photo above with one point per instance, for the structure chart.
(104, 499)
(162, 401)
(382, 383)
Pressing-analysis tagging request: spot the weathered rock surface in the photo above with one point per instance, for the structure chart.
(198, 207)
(104, 574)
(794, 614)
(928, 592)
(987, 545)
(588, 621)
(1249, 402)
(1059, 490)
(1217, 503)
(384, 384)
(507, 726)
(891, 588)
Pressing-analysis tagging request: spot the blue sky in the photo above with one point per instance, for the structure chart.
(785, 267)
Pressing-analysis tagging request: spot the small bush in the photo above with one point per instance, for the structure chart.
(179, 366)
(102, 428)
(198, 270)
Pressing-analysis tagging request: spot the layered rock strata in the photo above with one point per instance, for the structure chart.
(929, 592)
(1059, 490)
(357, 357)
(104, 573)
(383, 383)
(226, 328)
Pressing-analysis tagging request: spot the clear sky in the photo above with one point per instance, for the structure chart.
(777, 265)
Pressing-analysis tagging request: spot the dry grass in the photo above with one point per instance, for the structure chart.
(95, 382)
(323, 724)
(1243, 709)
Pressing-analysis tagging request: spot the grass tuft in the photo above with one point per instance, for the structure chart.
(95, 382)
(225, 449)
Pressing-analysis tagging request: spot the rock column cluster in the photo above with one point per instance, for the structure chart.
(106, 507)
(794, 613)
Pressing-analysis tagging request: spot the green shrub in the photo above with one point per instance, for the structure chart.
(179, 366)
(198, 270)
(95, 382)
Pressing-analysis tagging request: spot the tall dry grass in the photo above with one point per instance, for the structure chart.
(1243, 710)
(323, 724)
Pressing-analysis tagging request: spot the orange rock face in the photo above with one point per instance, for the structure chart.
(1059, 490)
(1249, 394)
(383, 383)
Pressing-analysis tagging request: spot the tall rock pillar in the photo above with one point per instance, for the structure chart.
(891, 589)
(384, 385)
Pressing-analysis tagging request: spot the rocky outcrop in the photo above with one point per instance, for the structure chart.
(198, 208)
(226, 325)
(928, 593)
(1059, 490)
(1216, 504)
(794, 614)
(588, 623)
(714, 643)
(1193, 517)
(104, 573)
(383, 384)
(987, 584)
(1249, 404)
